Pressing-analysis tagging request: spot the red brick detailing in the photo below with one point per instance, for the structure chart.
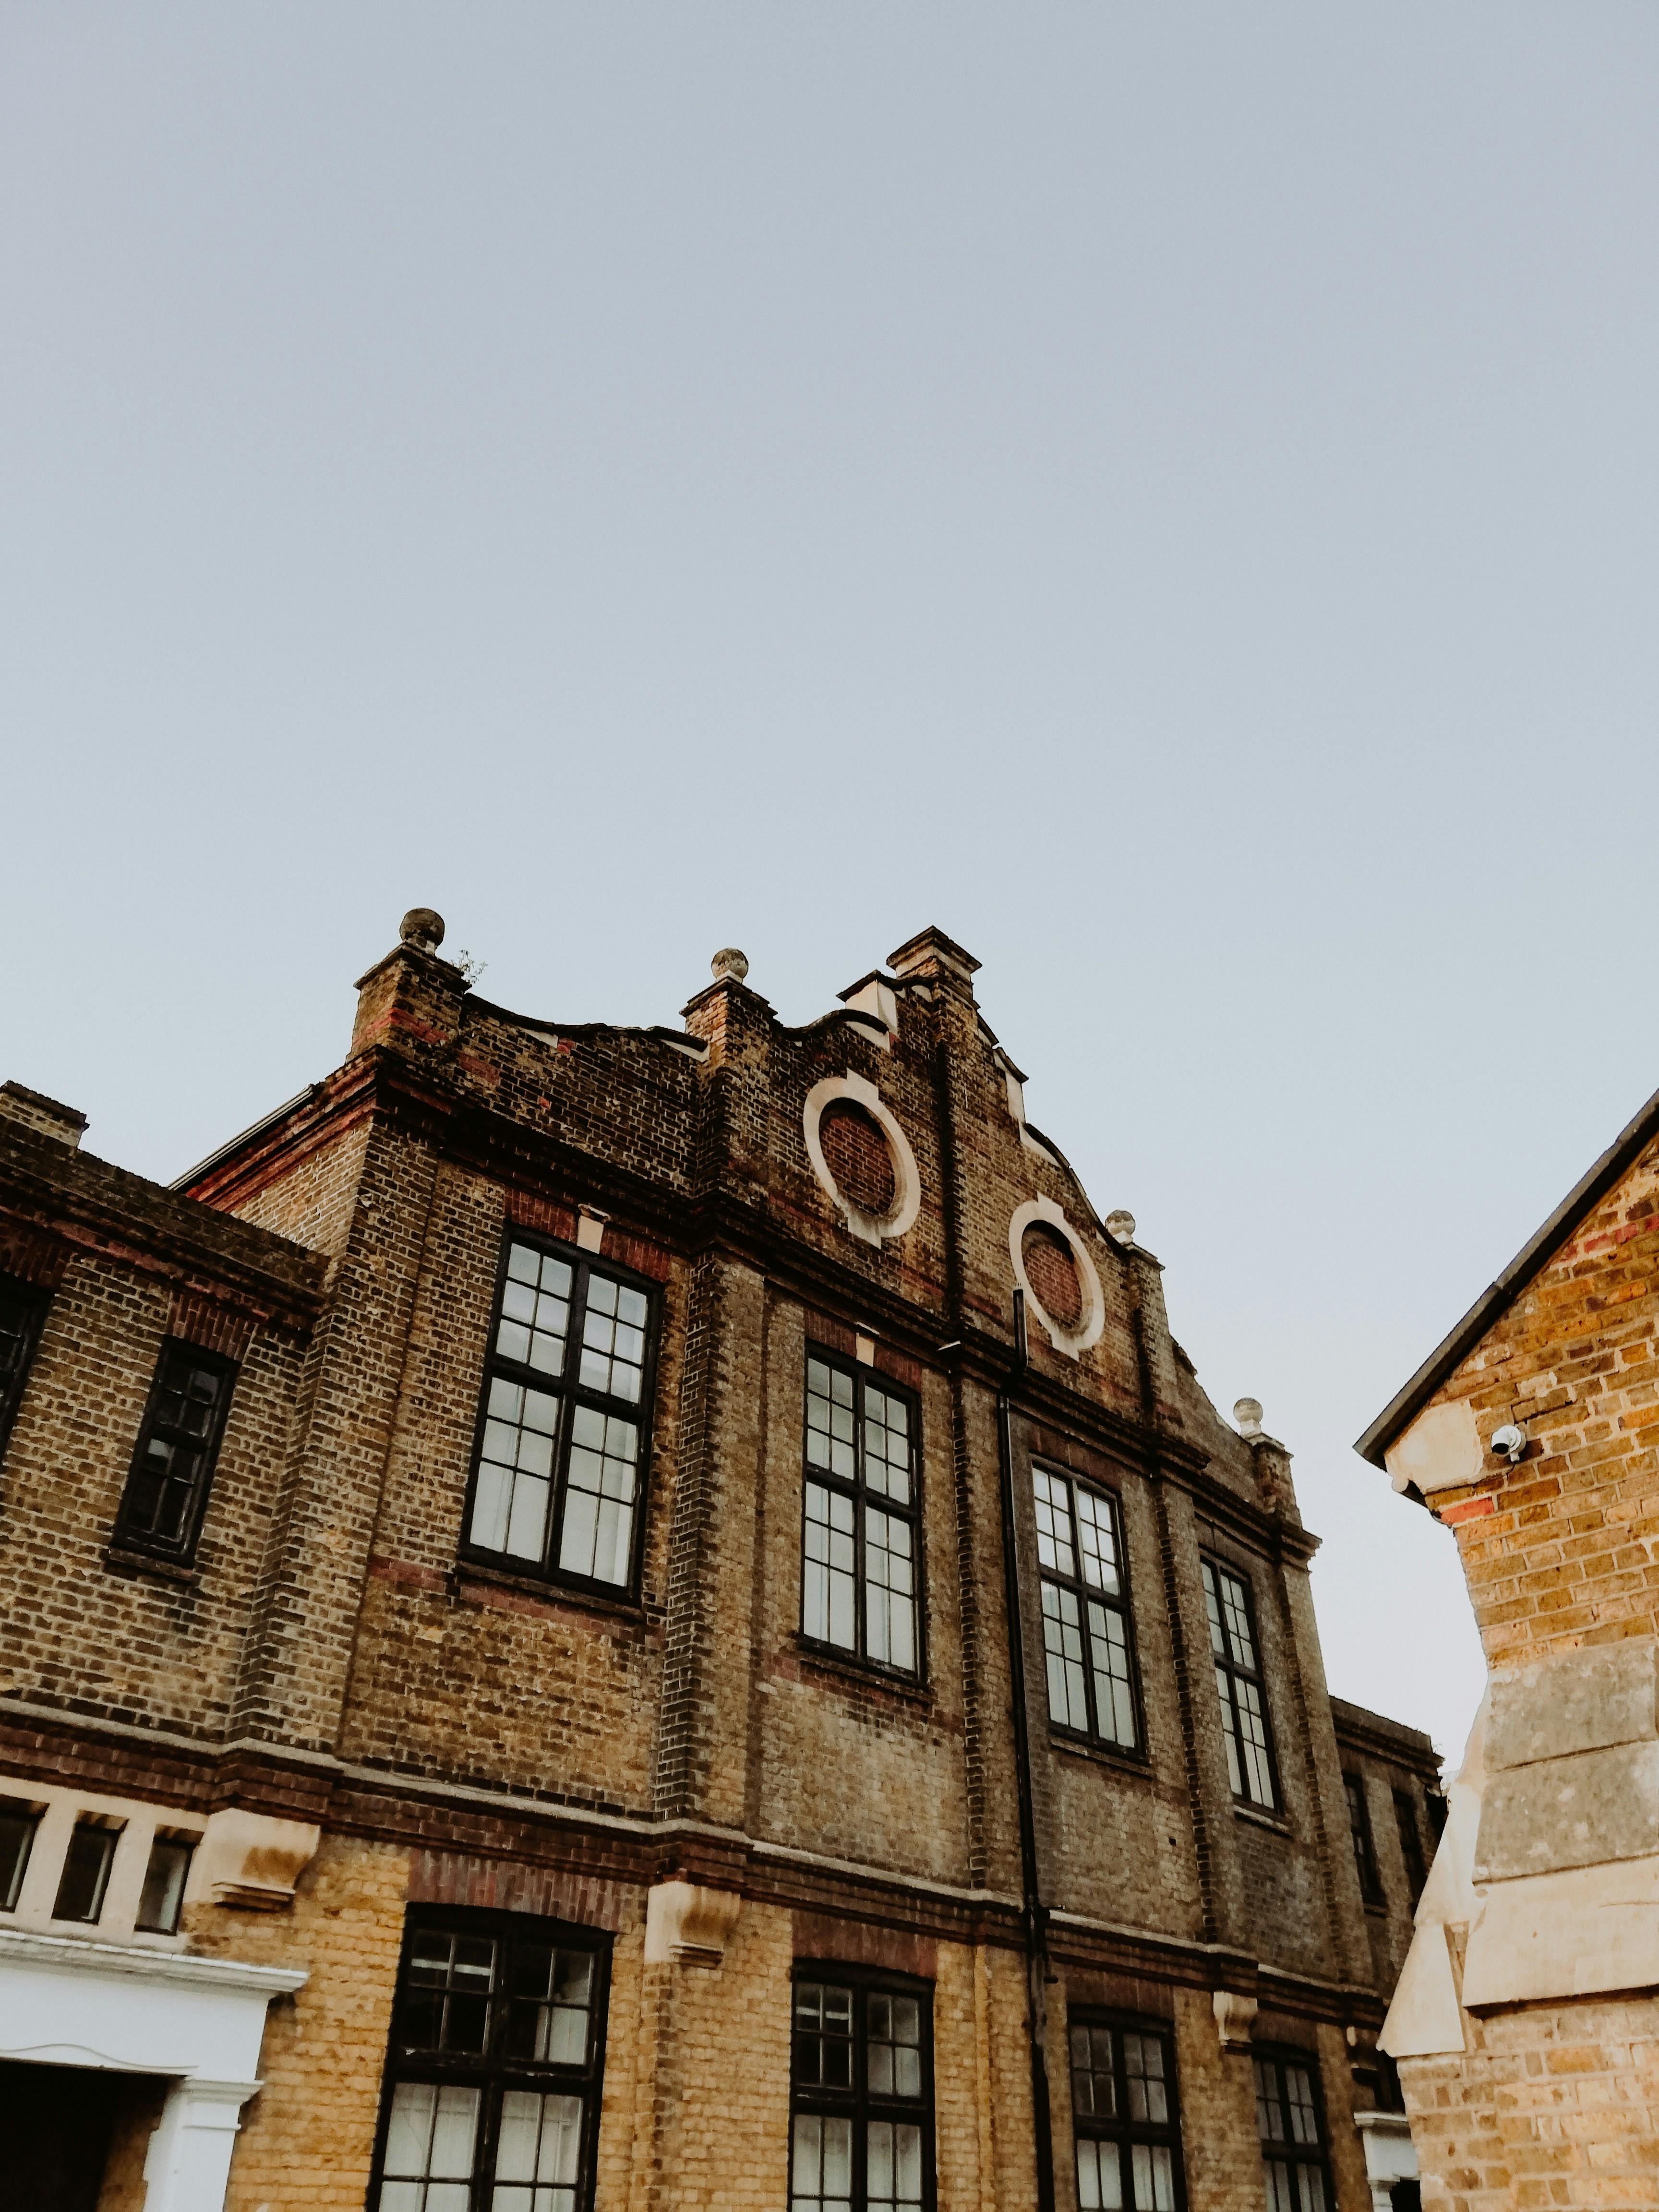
(376, 1032)
(641, 1254)
(1051, 1270)
(32, 1254)
(820, 1330)
(855, 1153)
(526, 1211)
(899, 1366)
(1120, 1992)
(500, 1886)
(861, 1943)
(406, 1574)
(1470, 1509)
(210, 1324)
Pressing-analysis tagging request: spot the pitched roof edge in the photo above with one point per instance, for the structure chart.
(1588, 1192)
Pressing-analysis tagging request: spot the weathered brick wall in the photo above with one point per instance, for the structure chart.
(1555, 2106)
(1554, 2102)
(80, 1631)
(308, 2137)
(1561, 1550)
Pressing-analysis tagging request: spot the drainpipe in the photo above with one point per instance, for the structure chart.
(1033, 1917)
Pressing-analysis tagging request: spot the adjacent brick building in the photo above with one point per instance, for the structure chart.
(1526, 2024)
(654, 1618)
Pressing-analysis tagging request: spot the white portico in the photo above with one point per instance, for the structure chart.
(72, 2001)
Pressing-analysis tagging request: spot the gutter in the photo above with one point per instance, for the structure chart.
(1034, 1918)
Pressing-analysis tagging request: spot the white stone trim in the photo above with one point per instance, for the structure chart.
(1390, 2155)
(1092, 1320)
(871, 1229)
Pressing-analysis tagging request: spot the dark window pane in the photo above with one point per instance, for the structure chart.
(447, 1990)
(163, 1895)
(167, 1486)
(21, 1309)
(1411, 1843)
(1360, 1826)
(17, 1827)
(824, 2035)
(86, 1873)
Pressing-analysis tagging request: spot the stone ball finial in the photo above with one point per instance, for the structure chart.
(729, 964)
(1120, 1226)
(421, 928)
(1247, 1414)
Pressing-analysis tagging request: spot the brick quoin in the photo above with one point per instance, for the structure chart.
(470, 1734)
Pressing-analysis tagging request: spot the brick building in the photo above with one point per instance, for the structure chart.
(653, 1618)
(1526, 2022)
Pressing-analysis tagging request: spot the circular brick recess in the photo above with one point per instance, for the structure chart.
(856, 1154)
(1052, 1273)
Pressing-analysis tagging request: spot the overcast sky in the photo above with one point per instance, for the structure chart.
(1166, 493)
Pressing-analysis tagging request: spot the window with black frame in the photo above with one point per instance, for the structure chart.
(18, 1822)
(1085, 1613)
(560, 1460)
(1365, 1847)
(859, 1537)
(22, 1310)
(861, 2101)
(1411, 1843)
(1239, 1685)
(183, 1423)
(1123, 2111)
(492, 2086)
(1290, 2123)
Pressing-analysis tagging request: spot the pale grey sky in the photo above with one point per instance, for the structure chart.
(1166, 493)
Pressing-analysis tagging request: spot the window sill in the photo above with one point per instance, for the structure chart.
(1103, 1754)
(468, 1578)
(123, 1562)
(1274, 1823)
(845, 1672)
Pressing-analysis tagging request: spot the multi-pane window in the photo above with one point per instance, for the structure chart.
(1365, 1848)
(22, 1307)
(860, 1539)
(18, 1823)
(85, 1878)
(1238, 1682)
(1411, 1843)
(862, 2095)
(1288, 2120)
(492, 2089)
(1085, 1615)
(166, 1491)
(1123, 2109)
(561, 1447)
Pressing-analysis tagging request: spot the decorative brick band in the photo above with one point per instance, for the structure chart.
(526, 1211)
(502, 1886)
(32, 1255)
(863, 1943)
(210, 1324)
(641, 1254)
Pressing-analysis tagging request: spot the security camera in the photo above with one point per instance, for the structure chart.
(1509, 1443)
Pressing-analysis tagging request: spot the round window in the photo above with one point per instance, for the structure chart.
(856, 1153)
(1051, 1270)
